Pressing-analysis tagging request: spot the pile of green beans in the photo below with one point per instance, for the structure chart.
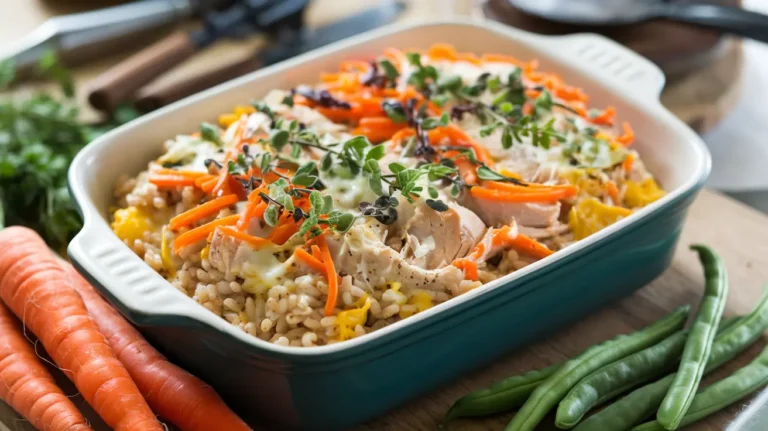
(699, 342)
(604, 371)
(623, 375)
(641, 403)
(508, 394)
(552, 390)
(723, 393)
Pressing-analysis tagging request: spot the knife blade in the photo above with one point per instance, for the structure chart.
(79, 37)
(156, 95)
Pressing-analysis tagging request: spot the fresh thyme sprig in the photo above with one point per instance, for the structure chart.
(505, 112)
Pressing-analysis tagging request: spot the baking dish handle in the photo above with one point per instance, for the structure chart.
(135, 289)
(613, 63)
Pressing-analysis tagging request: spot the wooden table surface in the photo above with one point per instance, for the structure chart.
(734, 230)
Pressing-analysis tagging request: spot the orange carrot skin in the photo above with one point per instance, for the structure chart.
(28, 387)
(35, 287)
(173, 393)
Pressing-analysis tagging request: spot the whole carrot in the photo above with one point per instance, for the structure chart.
(37, 290)
(28, 387)
(172, 393)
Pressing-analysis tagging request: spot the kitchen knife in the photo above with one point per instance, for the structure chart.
(120, 82)
(81, 36)
(159, 94)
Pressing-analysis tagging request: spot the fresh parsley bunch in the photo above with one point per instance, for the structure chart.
(39, 137)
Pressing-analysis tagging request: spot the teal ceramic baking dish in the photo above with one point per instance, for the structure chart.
(335, 387)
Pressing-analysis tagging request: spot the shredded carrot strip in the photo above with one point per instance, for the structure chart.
(199, 233)
(500, 58)
(468, 266)
(529, 246)
(477, 251)
(284, 232)
(628, 162)
(378, 129)
(501, 236)
(532, 94)
(527, 108)
(569, 93)
(330, 273)
(201, 211)
(254, 209)
(354, 66)
(540, 195)
(460, 137)
(567, 189)
(606, 117)
(209, 185)
(442, 51)
(613, 192)
(316, 252)
(382, 122)
(250, 239)
(401, 135)
(469, 58)
(396, 57)
(309, 260)
(202, 179)
(168, 181)
(628, 137)
(222, 184)
(579, 107)
(179, 172)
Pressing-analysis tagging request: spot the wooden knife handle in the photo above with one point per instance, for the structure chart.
(120, 82)
(159, 94)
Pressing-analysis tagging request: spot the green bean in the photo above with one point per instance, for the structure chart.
(622, 375)
(699, 342)
(618, 377)
(552, 390)
(723, 393)
(641, 403)
(508, 394)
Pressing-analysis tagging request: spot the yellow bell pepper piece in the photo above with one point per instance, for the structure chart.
(348, 319)
(131, 223)
(241, 110)
(642, 193)
(226, 120)
(587, 185)
(420, 300)
(591, 215)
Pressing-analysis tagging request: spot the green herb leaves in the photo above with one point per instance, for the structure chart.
(423, 76)
(39, 137)
(429, 123)
(390, 71)
(211, 133)
(337, 220)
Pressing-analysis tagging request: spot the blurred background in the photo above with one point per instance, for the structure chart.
(716, 83)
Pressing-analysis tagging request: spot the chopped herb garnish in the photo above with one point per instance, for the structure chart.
(321, 97)
(211, 133)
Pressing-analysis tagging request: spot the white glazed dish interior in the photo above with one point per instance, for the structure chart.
(608, 72)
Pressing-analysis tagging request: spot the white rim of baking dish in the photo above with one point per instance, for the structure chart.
(128, 277)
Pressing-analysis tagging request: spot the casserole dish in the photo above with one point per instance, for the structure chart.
(337, 386)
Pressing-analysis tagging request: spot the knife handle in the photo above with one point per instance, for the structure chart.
(158, 94)
(120, 82)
